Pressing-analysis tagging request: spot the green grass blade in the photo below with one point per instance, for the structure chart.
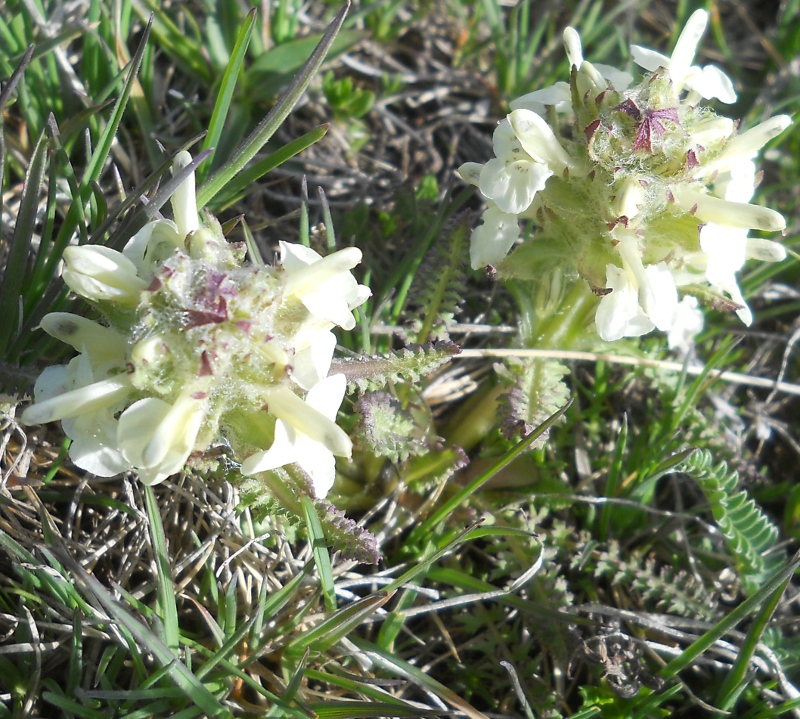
(393, 663)
(237, 188)
(746, 608)
(424, 563)
(145, 638)
(166, 589)
(11, 290)
(16, 76)
(321, 556)
(267, 127)
(355, 710)
(447, 508)
(103, 146)
(338, 625)
(735, 683)
(225, 94)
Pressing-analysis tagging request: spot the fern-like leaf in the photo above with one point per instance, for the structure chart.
(536, 392)
(387, 429)
(665, 588)
(748, 531)
(368, 374)
(439, 286)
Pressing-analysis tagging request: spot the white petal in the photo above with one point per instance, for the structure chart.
(184, 203)
(619, 314)
(172, 440)
(157, 438)
(590, 80)
(326, 397)
(100, 273)
(572, 44)
(618, 79)
(538, 140)
(363, 293)
(295, 257)
(491, 241)
(310, 276)
(648, 59)
(78, 401)
(155, 241)
(136, 426)
(320, 466)
(629, 199)
(557, 95)
(94, 445)
(764, 250)
(734, 214)
(53, 381)
(665, 296)
(286, 405)
(686, 47)
(282, 451)
(711, 82)
(712, 130)
(311, 364)
(725, 248)
(102, 343)
(331, 308)
(744, 313)
(513, 185)
(687, 322)
(504, 141)
(470, 172)
(751, 141)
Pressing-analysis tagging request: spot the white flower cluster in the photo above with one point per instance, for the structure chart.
(199, 344)
(650, 193)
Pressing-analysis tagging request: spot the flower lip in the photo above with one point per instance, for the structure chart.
(78, 401)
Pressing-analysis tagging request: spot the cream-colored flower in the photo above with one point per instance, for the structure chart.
(157, 437)
(707, 82)
(324, 284)
(306, 434)
(101, 274)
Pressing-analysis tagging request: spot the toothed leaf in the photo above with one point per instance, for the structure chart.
(387, 429)
(368, 374)
(536, 392)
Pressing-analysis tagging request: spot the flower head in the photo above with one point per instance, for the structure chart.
(200, 345)
(648, 192)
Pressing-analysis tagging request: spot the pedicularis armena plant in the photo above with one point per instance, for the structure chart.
(199, 345)
(644, 197)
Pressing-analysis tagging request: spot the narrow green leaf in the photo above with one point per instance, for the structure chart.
(16, 76)
(747, 607)
(734, 683)
(338, 625)
(145, 638)
(267, 127)
(355, 710)
(424, 563)
(11, 290)
(320, 549)
(225, 94)
(166, 588)
(448, 507)
(390, 662)
(100, 154)
(613, 477)
(237, 188)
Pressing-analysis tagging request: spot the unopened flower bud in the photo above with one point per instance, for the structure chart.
(102, 274)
